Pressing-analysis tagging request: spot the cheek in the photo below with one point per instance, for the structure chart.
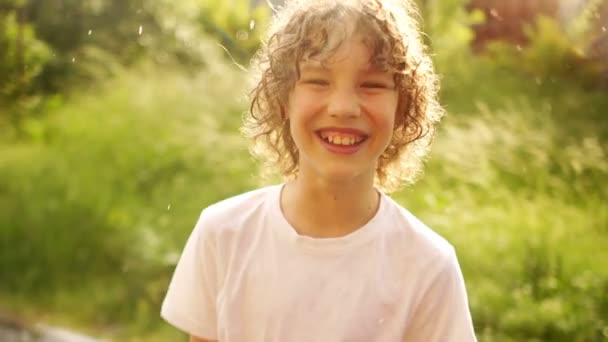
(302, 105)
(385, 115)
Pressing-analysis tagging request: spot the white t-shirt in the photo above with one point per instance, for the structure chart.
(245, 275)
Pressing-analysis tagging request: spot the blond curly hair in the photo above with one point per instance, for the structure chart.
(305, 28)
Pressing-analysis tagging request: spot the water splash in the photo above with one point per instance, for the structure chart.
(242, 68)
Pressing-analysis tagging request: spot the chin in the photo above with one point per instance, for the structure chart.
(342, 174)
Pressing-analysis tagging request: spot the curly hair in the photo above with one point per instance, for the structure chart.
(311, 28)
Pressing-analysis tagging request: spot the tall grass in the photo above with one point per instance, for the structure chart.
(99, 198)
(517, 181)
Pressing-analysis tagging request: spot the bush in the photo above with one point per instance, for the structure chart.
(552, 54)
(237, 25)
(107, 187)
(515, 182)
(23, 56)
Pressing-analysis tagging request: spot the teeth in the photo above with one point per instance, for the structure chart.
(341, 140)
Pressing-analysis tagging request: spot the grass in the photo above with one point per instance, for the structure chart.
(98, 200)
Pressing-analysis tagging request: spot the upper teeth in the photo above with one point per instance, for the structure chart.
(341, 139)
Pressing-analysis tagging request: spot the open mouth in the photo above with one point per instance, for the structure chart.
(341, 138)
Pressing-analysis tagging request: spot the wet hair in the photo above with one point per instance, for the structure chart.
(303, 29)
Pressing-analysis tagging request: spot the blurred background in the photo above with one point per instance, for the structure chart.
(119, 122)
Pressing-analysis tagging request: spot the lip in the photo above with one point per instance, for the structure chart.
(342, 149)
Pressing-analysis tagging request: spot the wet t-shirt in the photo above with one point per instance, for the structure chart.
(246, 275)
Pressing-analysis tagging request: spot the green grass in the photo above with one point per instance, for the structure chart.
(97, 201)
(99, 198)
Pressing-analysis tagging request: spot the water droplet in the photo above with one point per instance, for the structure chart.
(169, 207)
(242, 35)
(494, 13)
(603, 28)
(140, 30)
(251, 24)
(89, 33)
(73, 59)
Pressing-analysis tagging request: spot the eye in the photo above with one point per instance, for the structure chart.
(375, 85)
(316, 81)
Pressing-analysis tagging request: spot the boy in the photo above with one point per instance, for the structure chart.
(344, 103)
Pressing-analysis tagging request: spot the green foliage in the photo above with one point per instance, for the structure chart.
(42, 52)
(515, 181)
(22, 57)
(236, 25)
(105, 188)
(447, 25)
(553, 53)
(95, 37)
(580, 29)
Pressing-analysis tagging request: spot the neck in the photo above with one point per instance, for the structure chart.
(339, 208)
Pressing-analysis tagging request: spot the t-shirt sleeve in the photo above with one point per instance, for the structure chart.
(190, 302)
(443, 313)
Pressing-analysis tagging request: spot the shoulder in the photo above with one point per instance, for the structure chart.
(233, 212)
(413, 237)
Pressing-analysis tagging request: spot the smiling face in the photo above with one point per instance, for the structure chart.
(342, 113)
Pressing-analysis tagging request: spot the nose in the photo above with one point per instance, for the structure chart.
(344, 103)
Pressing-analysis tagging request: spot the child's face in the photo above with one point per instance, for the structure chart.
(342, 114)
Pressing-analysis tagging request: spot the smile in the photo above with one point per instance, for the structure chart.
(342, 138)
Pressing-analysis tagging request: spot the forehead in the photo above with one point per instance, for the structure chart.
(342, 62)
(351, 49)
